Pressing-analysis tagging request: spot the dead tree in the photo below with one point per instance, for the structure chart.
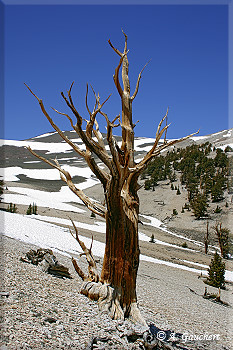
(115, 289)
(206, 241)
(222, 234)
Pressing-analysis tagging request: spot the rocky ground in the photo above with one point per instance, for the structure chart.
(40, 311)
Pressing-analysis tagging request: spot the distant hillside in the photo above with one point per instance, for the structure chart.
(178, 237)
(22, 168)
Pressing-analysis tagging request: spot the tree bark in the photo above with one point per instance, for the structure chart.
(121, 257)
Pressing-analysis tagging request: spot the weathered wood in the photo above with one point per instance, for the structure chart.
(116, 287)
(92, 268)
(47, 261)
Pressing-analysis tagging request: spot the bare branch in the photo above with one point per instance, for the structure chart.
(71, 106)
(69, 93)
(161, 122)
(92, 268)
(112, 144)
(66, 177)
(42, 158)
(90, 125)
(116, 77)
(159, 134)
(91, 145)
(100, 173)
(97, 98)
(141, 165)
(138, 81)
(88, 141)
(165, 135)
(79, 271)
(116, 50)
(66, 115)
(87, 103)
(150, 153)
(99, 136)
(116, 118)
(92, 239)
(125, 49)
(135, 124)
(65, 138)
(39, 100)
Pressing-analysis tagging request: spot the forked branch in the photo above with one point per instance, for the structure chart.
(65, 138)
(92, 268)
(91, 145)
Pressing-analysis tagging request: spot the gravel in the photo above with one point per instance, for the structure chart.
(41, 311)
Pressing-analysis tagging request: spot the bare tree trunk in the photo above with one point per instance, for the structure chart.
(121, 257)
(207, 238)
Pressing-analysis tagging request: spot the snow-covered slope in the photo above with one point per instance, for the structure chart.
(29, 180)
(30, 229)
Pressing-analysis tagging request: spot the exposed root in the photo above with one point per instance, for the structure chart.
(108, 301)
(135, 315)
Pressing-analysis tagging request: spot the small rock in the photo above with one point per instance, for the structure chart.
(50, 320)
(4, 294)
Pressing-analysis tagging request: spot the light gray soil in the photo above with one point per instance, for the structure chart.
(167, 297)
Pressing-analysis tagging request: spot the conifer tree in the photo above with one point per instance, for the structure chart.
(199, 205)
(147, 185)
(34, 209)
(29, 210)
(152, 238)
(1, 188)
(216, 272)
(219, 185)
(12, 208)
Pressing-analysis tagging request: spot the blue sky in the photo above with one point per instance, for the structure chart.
(48, 47)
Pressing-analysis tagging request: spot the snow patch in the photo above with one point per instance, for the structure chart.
(30, 230)
(157, 223)
(10, 173)
(55, 200)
